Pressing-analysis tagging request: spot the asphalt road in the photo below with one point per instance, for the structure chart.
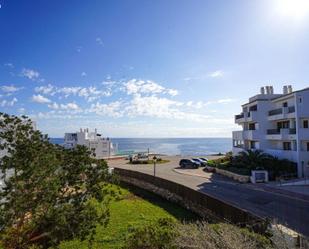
(285, 209)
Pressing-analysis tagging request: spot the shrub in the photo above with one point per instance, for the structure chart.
(155, 235)
(203, 235)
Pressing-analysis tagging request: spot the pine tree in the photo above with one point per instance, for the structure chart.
(49, 193)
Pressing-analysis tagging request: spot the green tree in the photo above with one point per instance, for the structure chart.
(251, 159)
(50, 194)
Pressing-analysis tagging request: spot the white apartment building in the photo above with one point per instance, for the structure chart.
(277, 124)
(102, 147)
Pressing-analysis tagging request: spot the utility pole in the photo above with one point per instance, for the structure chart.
(154, 165)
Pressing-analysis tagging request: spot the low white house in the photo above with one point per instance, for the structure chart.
(102, 147)
(278, 124)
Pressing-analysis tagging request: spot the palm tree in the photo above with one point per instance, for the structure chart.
(252, 159)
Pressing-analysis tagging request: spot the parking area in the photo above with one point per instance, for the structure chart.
(171, 170)
(265, 202)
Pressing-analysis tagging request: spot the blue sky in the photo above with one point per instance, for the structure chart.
(147, 68)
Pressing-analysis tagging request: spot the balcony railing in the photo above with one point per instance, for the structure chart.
(273, 132)
(278, 131)
(275, 112)
(239, 116)
(239, 146)
(291, 109)
(253, 108)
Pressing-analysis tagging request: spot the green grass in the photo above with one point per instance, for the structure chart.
(135, 208)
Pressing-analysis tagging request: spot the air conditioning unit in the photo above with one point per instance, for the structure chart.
(258, 176)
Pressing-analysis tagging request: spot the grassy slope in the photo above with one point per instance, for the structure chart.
(131, 211)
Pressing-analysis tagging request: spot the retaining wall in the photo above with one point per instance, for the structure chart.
(202, 204)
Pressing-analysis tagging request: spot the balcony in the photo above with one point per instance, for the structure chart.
(283, 154)
(238, 135)
(250, 135)
(281, 134)
(246, 117)
(282, 113)
(240, 118)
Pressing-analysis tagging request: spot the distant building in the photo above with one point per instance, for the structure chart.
(102, 147)
(278, 124)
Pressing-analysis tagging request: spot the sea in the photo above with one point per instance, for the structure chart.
(169, 146)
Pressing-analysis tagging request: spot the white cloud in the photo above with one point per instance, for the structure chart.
(8, 64)
(70, 106)
(135, 86)
(216, 74)
(192, 78)
(54, 106)
(90, 93)
(79, 49)
(99, 41)
(54, 116)
(48, 89)
(66, 107)
(40, 99)
(8, 103)
(67, 91)
(30, 74)
(153, 106)
(201, 104)
(10, 89)
(113, 109)
(172, 92)
(83, 74)
(21, 110)
(224, 101)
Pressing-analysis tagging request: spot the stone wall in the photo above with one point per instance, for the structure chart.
(204, 205)
(166, 194)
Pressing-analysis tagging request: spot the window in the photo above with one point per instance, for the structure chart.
(253, 108)
(306, 124)
(307, 146)
(252, 145)
(300, 100)
(285, 104)
(283, 125)
(287, 146)
(252, 126)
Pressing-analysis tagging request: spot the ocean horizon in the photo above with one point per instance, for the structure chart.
(169, 146)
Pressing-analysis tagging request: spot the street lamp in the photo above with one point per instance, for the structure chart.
(154, 165)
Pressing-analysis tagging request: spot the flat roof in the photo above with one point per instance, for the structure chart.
(289, 94)
(275, 98)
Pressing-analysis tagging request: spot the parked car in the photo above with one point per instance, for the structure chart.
(198, 160)
(204, 160)
(188, 163)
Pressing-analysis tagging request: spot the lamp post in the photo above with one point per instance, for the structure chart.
(154, 165)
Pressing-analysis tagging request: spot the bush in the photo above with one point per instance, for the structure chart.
(167, 234)
(280, 168)
(246, 161)
(216, 236)
(155, 235)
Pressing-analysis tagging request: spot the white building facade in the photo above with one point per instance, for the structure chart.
(277, 124)
(95, 142)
